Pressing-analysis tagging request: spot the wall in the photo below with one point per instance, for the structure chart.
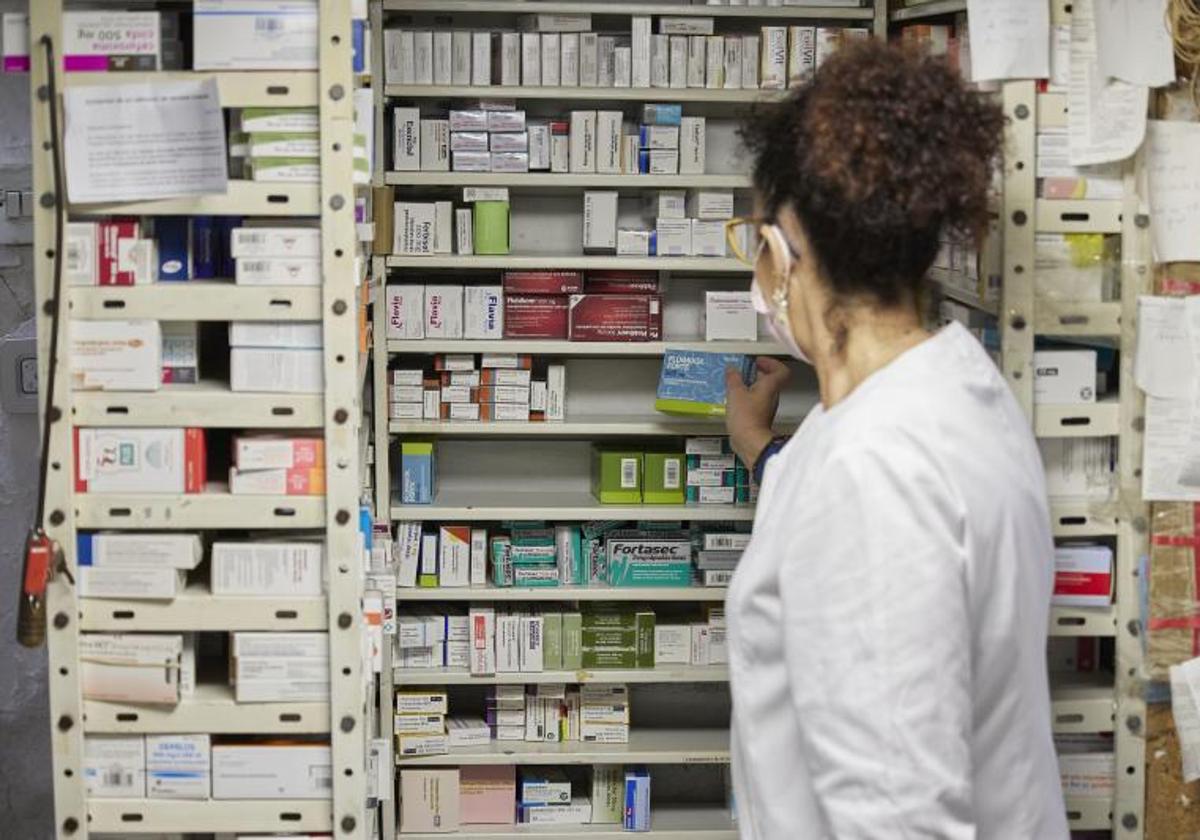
(26, 804)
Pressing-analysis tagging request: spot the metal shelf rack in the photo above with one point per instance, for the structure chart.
(343, 716)
(1111, 705)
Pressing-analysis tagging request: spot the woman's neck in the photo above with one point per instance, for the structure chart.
(870, 340)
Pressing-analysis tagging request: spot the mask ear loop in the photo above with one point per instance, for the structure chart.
(779, 295)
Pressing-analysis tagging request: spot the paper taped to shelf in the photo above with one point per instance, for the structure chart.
(1171, 455)
(1009, 40)
(1185, 707)
(144, 141)
(1164, 364)
(1106, 118)
(1134, 43)
(1173, 173)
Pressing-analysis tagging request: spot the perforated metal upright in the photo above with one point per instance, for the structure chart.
(213, 405)
(1026, 316)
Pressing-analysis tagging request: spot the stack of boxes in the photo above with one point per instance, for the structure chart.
(718, 556)
(136, 355)
(420, 722)
(685, 225)
(151, 566)
(274, 465)
(492, 387)
(280, 667)
(715, 476)
(444, 311)
(953, 41)
(192, 767)
(505, 712)
(283, 146)
(276, 357)
(449, 800)
(432, 640)
(606, 306)
(491, 136)
(617, 638)
(560, 50)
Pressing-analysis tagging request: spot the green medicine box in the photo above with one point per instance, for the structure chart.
(623, 657)
(617, 476)
(609, 638)
(664, 474)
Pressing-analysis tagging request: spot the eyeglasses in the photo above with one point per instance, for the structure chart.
(746, 238)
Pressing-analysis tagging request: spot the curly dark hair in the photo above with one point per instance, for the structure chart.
(882, 152)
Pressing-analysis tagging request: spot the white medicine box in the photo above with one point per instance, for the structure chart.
(729, 316)
(1064, 377)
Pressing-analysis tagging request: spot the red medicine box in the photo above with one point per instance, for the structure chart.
(535, 316)
(616, 318)
(543, 283)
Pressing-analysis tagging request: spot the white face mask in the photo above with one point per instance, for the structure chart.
(777, 316)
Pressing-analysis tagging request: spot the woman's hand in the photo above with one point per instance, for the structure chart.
(750, 410)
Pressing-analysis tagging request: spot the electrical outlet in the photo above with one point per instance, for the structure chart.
(19, 370)
(16, 217)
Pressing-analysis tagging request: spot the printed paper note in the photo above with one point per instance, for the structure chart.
(144, 141)
(1106, 118)
(1133, 41)
(1169, 469)
(1173, 173)
(1009, 39)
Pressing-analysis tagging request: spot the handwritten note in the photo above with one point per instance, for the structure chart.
(1173, 175)
(1009, 39)
(1133, 41)
(1164, 362)
(144, 141)
(1106, 119)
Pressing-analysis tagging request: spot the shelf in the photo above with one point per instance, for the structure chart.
(242, 198)
(559, 506)
(813, 12)
(686, 594)
(144, 816)
(1089, 813)
(237, 90)
(967, 298)
(1078, 216)
(670, 822)
(710, 96)
(1079, 318)
(1080, 621)
(921, 11)
(1076, 518)
(694, 265)
(1083, 704)
(1099, 419)
(545, 181)
(663, 674)
(660, 425)
(206, 404)
(197, 609)
(1052, 110)
(581, 348)
(213, 509)
(196, 300)
(211, 710)
(646, 746)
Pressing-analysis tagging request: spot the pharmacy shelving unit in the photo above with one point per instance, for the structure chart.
(1088, 706)
(462, 501)
(342, 716)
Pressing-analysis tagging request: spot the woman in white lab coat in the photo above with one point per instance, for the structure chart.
(888, 622)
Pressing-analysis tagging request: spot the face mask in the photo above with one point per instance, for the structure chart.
(777, 323)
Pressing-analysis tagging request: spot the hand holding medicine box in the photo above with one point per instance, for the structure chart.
(693, 382)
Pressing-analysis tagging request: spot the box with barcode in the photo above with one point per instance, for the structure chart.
(663, 475)
(290, 242)
(274, 771)
(617, 476)
(114, 766)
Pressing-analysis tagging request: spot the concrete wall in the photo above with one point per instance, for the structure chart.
(26, 804)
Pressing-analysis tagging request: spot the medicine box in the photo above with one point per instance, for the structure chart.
(280, 569)
(417, 473)
(693, 382)
(114, 766)
(729, 316)
(1064, 377)
(266, 370)
(429, 801)
(406, 311)
(115, 460)
(144, 582)
(178, 767)
(280, 35)
(1083, 576)
(487, 794)
(115, 355)
(289, 242)
(272, 771)
(122, 550)
(100, 41)
(663, 478)
(649, 559)
(616, 475)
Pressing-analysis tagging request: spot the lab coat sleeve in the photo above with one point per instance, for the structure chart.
(877, 644)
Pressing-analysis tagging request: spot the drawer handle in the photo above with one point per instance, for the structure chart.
(1075, 217)
(285, 614)
(278, 90)
(285, 511)
(124, 615)
(282, 198)
(1077, 421)
(1072, 520)
(127, 717)
(283, 302)
(290, 816)
(283, 411)
(289, 717)
(115, 303)
(132, 817)
(1071, 718)
(117, 409)
(120, 512)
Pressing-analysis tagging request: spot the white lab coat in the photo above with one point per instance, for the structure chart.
(887, 624)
